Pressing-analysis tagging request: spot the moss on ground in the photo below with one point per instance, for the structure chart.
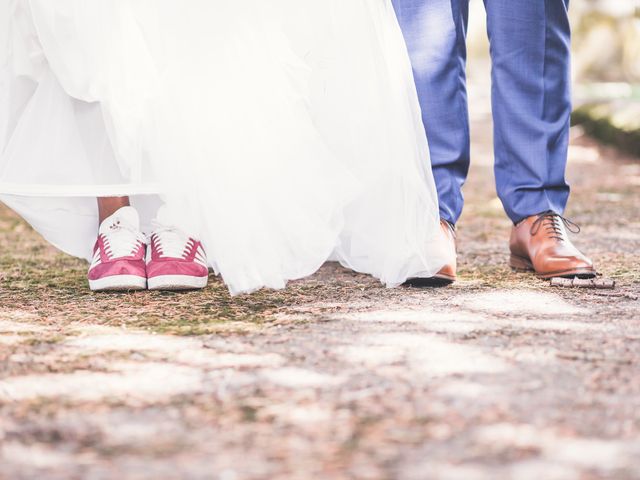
(615, 123)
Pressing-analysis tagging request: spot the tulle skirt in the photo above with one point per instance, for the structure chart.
(282, 133)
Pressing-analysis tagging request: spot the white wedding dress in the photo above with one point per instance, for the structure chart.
(283, 133)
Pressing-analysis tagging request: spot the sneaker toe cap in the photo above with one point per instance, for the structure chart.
(176, 267)
(118, 267)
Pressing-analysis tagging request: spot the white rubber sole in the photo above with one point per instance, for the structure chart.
(118, 283)
(177, 282)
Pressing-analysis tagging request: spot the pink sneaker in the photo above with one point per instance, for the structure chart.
(175, 261)
(118, 256)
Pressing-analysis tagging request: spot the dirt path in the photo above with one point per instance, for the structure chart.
(499, 376)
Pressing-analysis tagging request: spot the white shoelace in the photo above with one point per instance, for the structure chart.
(122, 240)
(171, 242)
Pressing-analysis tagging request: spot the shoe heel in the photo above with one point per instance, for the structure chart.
(519, 264)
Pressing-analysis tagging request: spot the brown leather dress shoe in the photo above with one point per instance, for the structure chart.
(541, 243)
(447, 274)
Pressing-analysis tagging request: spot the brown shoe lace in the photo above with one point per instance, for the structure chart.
(552, 223)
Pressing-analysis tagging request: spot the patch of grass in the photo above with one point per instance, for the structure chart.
(55, 290)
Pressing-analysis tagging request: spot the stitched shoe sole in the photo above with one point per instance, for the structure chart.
(438, 280)
(177, 282)
(118, 283)
(520, 264)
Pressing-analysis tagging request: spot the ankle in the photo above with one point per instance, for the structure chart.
(109, 205)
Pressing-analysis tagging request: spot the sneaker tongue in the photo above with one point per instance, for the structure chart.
(127, 216)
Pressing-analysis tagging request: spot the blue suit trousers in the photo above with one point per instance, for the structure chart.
(531, 98)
